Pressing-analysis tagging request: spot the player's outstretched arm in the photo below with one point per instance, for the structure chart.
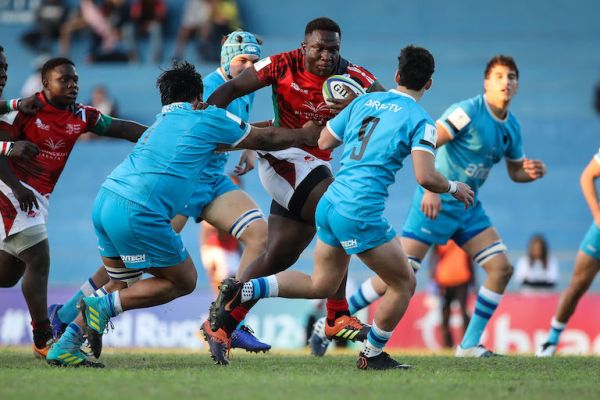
(124, 129)
(428, 177)
(588, 187)
(525, 170)
(28, 105)
(277, 138)
(241, 85)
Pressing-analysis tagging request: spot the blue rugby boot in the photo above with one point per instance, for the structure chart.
(67, 351)
(97, 312)
(58, 327)
(243, 338)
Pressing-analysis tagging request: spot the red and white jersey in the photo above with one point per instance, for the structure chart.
(55, 131)
(298, 93)
(13, 219)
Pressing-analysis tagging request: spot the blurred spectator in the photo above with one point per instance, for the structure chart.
(196, 16)
(75, 23)
(452, 272)
(107, 21)
(537, 270)
(224, 18)
(147, 19)
(49, 17)
(33, 83)
(102, 101)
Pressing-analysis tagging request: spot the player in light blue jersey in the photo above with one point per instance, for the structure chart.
(133, 210)
(379, 130)
(473, 135)
(230, 209)
(587, 263)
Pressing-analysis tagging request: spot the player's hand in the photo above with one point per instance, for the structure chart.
(24, 150)
(246, 163)
(535, 169)
(597, 220)
(30, 105)
(431, 204)
(313, 132)
(337, 105)
(464, 194)
(26, 198)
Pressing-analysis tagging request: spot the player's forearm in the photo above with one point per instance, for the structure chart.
(124, 129)
(275, 138)
(520, 176)
(433, 181)
(7, 106)
(224, 95)
(6, 174)
(588, 187)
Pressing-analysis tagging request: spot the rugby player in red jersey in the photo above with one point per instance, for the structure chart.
(26, 184)
(296, 178)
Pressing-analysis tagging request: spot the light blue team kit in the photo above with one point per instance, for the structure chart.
(213, 182)
(379, 131)
(480, 140)
(591, 242)
(136, 203)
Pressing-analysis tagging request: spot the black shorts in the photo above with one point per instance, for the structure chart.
(298, 199)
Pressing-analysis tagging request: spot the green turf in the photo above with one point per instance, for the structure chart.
(130, 376)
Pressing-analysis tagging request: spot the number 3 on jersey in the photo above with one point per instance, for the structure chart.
(364, 136)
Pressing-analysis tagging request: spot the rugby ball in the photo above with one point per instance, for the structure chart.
(337, 86)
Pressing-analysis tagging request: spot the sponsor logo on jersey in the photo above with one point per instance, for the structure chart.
(41, 125)
(478, 171)
(297, 88)
(134, 258)
(315, 108)
(349, 244)
(73, 129)
(376, 104)
(51, 150)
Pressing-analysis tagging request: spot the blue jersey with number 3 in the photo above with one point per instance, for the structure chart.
(379, 131)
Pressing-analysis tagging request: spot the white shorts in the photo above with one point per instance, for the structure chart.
(281, 172)
(19, 242)
(218, 262)
(13, 219)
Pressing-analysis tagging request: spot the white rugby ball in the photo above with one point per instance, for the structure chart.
(336, 87)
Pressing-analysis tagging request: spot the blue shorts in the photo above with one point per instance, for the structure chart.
(354, 236)
(204, 194)
(453, 221)
(139, 236)
(591, 242)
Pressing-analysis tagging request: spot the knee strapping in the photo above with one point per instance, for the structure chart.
(127, 275)
(490, 252)
(243, 222)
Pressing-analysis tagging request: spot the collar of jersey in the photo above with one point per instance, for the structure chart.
(402, 94)
(177, 106)
(494, 117)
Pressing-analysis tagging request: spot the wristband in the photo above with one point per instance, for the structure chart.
(452, 187)
(13, 104)
(6, 148)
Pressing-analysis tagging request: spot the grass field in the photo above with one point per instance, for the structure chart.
(179, 375)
